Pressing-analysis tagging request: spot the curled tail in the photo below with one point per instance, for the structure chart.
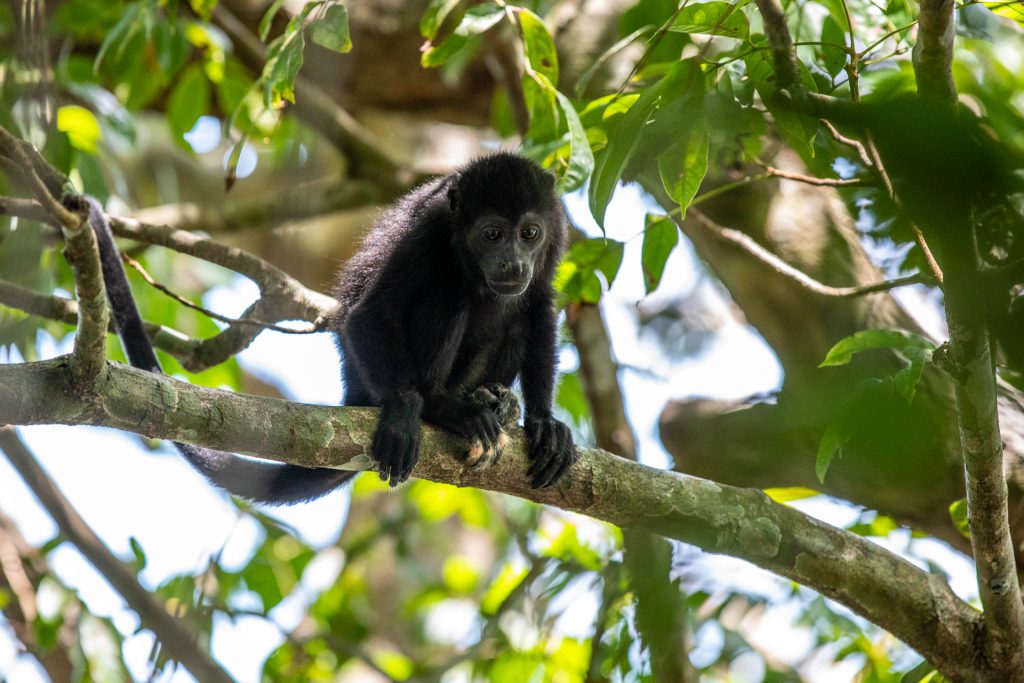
(254, 480)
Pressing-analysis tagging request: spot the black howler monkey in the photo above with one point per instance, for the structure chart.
(448, 301)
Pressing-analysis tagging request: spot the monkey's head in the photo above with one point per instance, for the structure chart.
(509, 222)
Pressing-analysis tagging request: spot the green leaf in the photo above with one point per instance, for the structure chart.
(833, 57)
(81, 126)
(1010, 10)
(684, 166)
(626, 136)
(268, 19)
(581, 159)
(283, 63)
(958, 515)
(856, 413)
(660, 237)
(478, 19)
(906, 342)
(189, 100)
(906, 379)
(879, 525)
(138, 553)
(576, 278)
(799, 130)
(831, 443)
(459, 574)
(434, 16)
(395, 665)
(539, 45)
(172, 47)
(136, 17)
(715, 18)
(331, 30)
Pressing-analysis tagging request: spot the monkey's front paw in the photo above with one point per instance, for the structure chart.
(396, 450)
(552, 451)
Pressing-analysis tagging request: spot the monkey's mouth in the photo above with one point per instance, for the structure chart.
(508, 287)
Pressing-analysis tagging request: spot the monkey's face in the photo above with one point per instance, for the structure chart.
(507, 250)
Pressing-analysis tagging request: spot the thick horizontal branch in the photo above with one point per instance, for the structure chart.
(913, 605)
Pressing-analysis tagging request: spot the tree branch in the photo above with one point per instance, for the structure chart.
(82, 252)
(914, 606)
(172, 633)
(749, 245)
(137, 267)
(933, 54)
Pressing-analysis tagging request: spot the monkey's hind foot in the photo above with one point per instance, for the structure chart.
(505, 405)
(499, 398)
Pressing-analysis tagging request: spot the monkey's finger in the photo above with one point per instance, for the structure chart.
(546, 475)
(499, 447)
(566, 456)
(541, 451)
(410, 454)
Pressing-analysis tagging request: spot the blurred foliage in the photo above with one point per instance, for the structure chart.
(440, 583)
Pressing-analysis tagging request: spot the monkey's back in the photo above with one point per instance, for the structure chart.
(402, 226)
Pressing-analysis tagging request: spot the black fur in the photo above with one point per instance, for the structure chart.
(449, 296)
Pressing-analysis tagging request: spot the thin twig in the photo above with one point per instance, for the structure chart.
(12, 148)
(856, 145)
(748, 244)
(205, 311)
(811, 180)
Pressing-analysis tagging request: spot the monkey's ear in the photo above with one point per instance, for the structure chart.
(453, 192)
(552, 181)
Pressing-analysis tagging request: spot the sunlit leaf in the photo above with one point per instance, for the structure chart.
(833, 57)
(539, 45)
(576, 278)
(958, 515)
(660, 237)
(790, 493)
(626, 136)
(504, 583)
(716, 18)
(460, 575)
(478, 19)
(434, 16)
(268, 19)
(581, 159)
(901, 340)
(81, 126)
(283, 63)
(331, 30)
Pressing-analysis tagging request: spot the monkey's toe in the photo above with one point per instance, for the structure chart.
(479, 456)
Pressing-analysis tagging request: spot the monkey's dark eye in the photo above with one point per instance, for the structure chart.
(492, 234)
(529, 233)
